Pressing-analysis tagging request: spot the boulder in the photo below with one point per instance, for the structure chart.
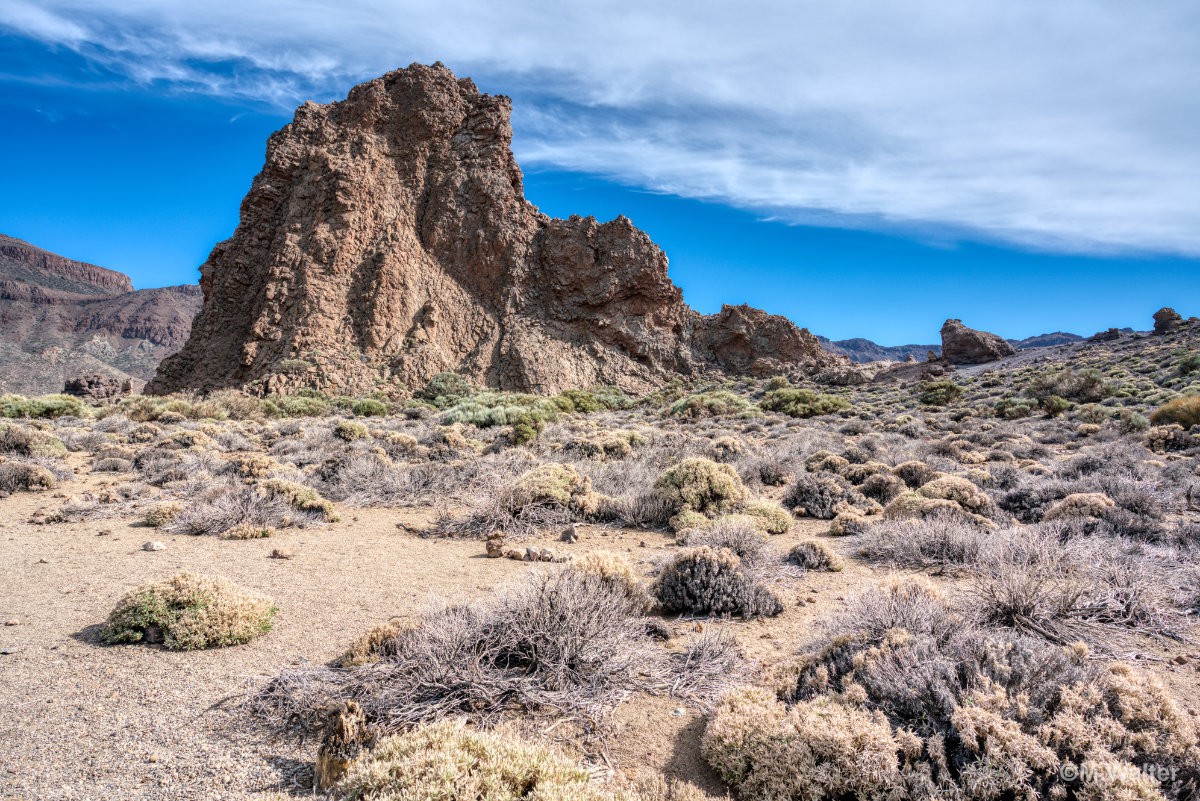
(1166, 320)
(962, 345)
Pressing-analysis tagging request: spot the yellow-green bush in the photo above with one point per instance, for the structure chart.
(802, 403)
(188, 612)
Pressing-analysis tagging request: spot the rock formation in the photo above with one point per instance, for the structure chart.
(388, 239)
(62, 319)
(1166, 320)
(962, 345)
(97, 387)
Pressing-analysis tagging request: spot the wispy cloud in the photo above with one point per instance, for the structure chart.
(1067, 125)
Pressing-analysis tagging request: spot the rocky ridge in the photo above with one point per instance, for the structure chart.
(388, 239)
(61, 319)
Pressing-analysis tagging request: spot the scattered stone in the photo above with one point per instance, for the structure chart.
(678, 712)
(13, 622)
(154, 545)
(281, 553)
(495, 546)
(1181, 660)
(43, 561)
(569, 534)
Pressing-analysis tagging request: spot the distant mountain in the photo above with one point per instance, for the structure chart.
(61, 318)
(864, 350)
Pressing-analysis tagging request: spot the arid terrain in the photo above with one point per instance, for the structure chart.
(443, 498)
(1040, 505)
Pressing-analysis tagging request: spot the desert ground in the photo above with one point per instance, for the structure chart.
(804, 558)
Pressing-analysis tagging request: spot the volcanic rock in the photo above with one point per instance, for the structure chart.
(97, 387)
(1166, 320)
(962, 345)
(387, 239)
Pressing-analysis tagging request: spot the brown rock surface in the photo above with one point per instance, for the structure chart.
(962, 345)
(388, 239)
(61, 319)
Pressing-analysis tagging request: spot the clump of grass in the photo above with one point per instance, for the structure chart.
(189, 612)
(816, 556)
(1183, 411)
(938, 393)
(25, 476)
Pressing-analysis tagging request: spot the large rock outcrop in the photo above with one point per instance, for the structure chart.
(962, 345)
(61, 319)
(388, 239)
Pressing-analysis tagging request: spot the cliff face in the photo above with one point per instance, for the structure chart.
(388, 239)
(61, 318)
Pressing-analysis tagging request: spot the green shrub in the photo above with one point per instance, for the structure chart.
(1189, 364)
(1184, 411)
(1054, 405)
(701, 485)
(1015, 408)
(301, 406)
(349, 430)
(582, 401)
(369, 407)
(938, 393)
(716, 403)
(802, 403)
(188, 612)
(487, 409)
(446, 389)
(43, 406)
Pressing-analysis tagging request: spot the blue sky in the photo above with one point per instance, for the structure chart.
(865, 170)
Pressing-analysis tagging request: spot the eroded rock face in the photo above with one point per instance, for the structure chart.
(388, 239)
(97, 387)
(61, 319)
(962, 345)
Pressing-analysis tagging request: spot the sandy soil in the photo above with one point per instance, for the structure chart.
(86, 721)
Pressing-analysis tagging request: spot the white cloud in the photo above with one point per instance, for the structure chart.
(1069, 125)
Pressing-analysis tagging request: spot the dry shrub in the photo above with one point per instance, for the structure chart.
(190, 611)
(25, 476)
(548, 495)
(826, 462)
(566, 644)
(161, 515)
(376, 644)
(271, 504)
(813, 555)
(960, 491)
(701, 485)
(1080, 504)
(824, 496)
(846, 524)
(938, 540)
(614, 569)
(712, 581)
(909, 700)
(1184, 412)
(768, 517)
(914, 473)
(25, 441)
(247, 531)
(448, 760)
(911, 504)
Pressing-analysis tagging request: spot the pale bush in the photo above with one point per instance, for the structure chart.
(701, 485)
(188, 612)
